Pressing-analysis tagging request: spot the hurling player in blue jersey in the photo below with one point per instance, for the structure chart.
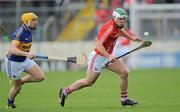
(19, 58)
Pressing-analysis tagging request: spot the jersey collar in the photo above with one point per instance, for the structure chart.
(26, 28)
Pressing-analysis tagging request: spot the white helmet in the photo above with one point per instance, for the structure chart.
(119, 13)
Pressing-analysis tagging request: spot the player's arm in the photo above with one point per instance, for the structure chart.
(14, 49)
(103, 51)
(131, 37)
(102, 37)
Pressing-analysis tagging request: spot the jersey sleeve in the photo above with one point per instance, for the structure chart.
(104, 32)
(17, 34)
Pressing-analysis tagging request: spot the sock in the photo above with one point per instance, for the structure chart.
(67, 91)
(124, 96)
(10, 100)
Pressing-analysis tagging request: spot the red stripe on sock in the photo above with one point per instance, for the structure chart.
(68, 91)
(124, 94)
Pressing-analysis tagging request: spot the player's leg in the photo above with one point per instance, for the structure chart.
(15, 88)
(90, 79)
(119, 68)
(94, 69)
(13, 70)
(35, 74)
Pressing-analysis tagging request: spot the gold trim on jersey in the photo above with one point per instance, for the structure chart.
(23, 46)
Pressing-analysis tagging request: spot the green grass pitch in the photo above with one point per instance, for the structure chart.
(156, 90)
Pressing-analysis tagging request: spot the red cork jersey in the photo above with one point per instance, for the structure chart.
(108, 35)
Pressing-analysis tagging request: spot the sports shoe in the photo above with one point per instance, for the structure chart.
(129, 102)
(62, 97)
(10, 105)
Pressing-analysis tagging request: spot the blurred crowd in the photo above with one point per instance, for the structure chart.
(104, 8)
(46, 8)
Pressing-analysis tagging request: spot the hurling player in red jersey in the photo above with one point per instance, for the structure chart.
(101, 54)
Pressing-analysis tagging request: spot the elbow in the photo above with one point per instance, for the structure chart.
(13, 50)
(98, 44)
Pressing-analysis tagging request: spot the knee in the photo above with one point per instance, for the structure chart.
(124, 74)
(17, 89)
(89, 83)
(41, 78)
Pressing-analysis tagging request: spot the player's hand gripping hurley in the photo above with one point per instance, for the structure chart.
(80, 59)
(144, 44)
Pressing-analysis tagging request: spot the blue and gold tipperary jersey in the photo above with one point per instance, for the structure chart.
(23, 35)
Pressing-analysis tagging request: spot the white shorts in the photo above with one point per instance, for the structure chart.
(14, 69)
(96, 62)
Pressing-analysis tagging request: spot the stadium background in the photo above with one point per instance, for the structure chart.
(69, 27)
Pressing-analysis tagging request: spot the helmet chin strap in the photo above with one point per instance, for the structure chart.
(32, 28)
(120, 26)
(29, 25)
